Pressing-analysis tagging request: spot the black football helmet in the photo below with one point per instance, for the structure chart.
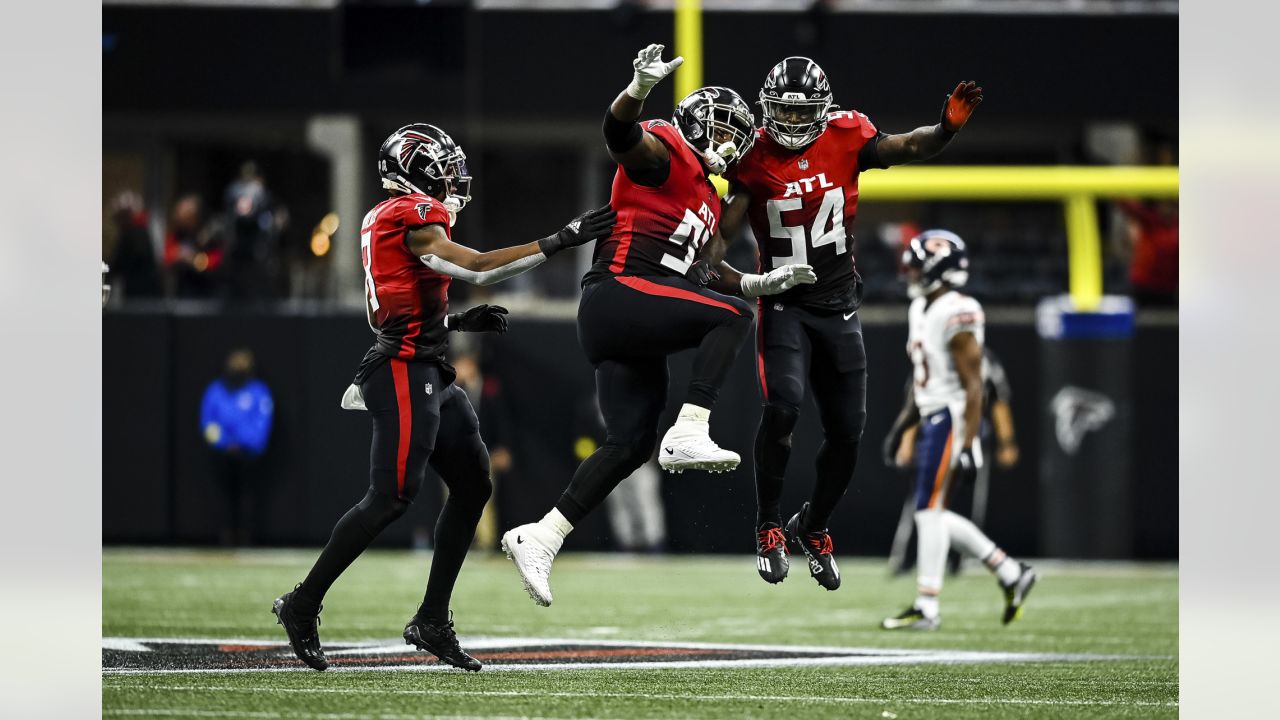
(940, 257)
(795, 100)
(422, 158)
(718, 124)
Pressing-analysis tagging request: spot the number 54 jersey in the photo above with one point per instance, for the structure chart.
(659, 229)
(802, 208)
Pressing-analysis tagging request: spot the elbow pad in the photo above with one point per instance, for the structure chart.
(621, 136)
(483, 277)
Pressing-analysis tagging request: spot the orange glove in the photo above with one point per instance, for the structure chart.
(960, 105)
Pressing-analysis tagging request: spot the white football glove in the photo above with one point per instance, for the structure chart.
(777, 280)
(649, 70)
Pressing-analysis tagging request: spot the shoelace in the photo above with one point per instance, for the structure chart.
(771, 538)
(821, 544)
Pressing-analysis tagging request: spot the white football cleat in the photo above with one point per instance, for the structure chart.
(688, 446)
(532, 548)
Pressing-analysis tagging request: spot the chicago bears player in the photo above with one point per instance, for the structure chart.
(799, 189)
(945, 346)
(419, 416)
(638, 307)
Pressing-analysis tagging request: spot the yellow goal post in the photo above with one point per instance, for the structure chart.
(1077, 188)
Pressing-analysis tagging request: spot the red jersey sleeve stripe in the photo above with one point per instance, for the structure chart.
(404, 406)
(652, 288)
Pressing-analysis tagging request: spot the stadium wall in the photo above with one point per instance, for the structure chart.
(158, 486)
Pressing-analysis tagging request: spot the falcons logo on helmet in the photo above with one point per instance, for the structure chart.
(414, 143)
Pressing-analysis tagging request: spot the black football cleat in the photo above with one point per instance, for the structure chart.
(1015, 593)
(818, 548)
(441, 641)
(771, 553)
(913, 618)
(303, 631)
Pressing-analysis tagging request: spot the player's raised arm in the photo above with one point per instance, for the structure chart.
(924, 142)
(434, 248)
(630, 145)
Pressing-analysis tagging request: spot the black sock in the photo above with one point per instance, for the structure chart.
(455, 529)
(351, 536)
(715, 356)
(598, 475)
(773, 448)
(837, 459)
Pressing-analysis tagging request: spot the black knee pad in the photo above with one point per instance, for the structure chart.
(778, 421)
(378, 510)
(849, 428)
(843, 441)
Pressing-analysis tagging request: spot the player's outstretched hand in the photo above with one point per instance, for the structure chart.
(588, 226)
(481, 318)
(650, 69)
(960, 105)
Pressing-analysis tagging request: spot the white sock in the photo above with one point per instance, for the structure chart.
(556, 523)
(931, 549)
(966, 536)
(928, 604)
(696, 413)
(1005, 567)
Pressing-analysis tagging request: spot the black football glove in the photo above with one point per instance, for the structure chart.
(481, 318)
(586, 227)
(701, 273)
(967, 469)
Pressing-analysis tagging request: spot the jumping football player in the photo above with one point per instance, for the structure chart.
(419, 416)
(945, 346)
(638, 307)
(799, 188)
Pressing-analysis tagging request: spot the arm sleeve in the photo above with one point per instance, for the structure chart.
(620, 136)
(869, 155)
(483, 277)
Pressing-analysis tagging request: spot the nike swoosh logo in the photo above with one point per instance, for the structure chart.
(855, 312)
(519, 540)
(670, 451)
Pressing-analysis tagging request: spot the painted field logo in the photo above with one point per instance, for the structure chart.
(169, 655)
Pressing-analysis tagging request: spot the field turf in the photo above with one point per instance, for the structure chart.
(1125, 611)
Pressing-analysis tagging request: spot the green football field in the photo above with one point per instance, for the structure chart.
(1095, 641)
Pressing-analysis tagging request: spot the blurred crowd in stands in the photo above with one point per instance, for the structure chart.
(234, 248)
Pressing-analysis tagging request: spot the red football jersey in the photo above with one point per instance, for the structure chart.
(406, 300)
(659, 229)
(803, 204)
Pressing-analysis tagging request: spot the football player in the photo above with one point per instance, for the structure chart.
(799, 189)
(638, 307)
(945, 346)
(419, 416)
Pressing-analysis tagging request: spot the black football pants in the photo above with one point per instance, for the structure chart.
(419, 417)
(793, 344)
(628, 325)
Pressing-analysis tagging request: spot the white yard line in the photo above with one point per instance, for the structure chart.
(889, 702)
